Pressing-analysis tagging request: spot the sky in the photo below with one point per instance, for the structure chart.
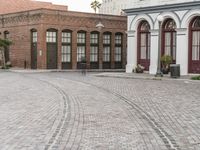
(74, 5)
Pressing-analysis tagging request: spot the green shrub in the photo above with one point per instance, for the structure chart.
(196, 78)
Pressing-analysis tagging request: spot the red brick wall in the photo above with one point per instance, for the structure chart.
(20, 24)
(12, 6)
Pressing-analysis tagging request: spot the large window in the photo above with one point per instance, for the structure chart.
(6, 49)
(196, 39)
(144, 44)
(81, 46)
(106, 47)
(51, 37)
(194, 44)
(94, 46)
(169, 43)
(66, 46)
(34, 36)
(34, 39)
(118, 47)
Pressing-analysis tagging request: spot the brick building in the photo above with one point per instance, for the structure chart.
(49, 36)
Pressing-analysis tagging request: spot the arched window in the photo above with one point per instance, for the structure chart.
(94, 49)
(118, 50)
(169, 38)
(81, 48)
(6, 49)
(66, 49)
(51, 40)
(51, 36)
(106, 50)
(144, 44)
(196, 39)
(34, 39)
(194, 50)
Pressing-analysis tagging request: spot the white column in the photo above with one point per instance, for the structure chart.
(131, 52)
(182, 50)
(154, 52)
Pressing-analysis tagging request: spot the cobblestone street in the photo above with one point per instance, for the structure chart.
(67, 110)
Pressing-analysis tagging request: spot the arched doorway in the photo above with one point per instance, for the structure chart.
(51, 40)
(34, 39)
(143, 57)
(6, 49)
(169, 38)
(194, 45)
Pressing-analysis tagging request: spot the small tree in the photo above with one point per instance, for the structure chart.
(3, 43)
(95, 5)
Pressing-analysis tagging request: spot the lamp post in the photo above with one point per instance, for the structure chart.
(160, 19)
(100, 26)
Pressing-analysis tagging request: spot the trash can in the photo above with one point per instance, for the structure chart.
(175, 70)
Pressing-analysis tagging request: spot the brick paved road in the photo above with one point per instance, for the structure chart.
(70, 111)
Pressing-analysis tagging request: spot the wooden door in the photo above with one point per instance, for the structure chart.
(51, 56)
(33, 56)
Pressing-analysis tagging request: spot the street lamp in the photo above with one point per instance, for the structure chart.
(100, 25)
(160, 19)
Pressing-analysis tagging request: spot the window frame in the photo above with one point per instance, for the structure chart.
(81, 55)
(173, 36)
(94, 56)
(51, 36)
(66, 57)
(118, 44)
(107, 44)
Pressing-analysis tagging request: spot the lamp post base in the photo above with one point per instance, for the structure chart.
(159, 74)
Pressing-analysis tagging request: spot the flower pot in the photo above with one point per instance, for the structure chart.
(165, 70)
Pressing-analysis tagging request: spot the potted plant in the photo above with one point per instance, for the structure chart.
(139, 68)
(166, 60)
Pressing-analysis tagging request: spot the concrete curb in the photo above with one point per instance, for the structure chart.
(146, 77)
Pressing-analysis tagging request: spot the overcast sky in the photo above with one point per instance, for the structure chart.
(74, 5)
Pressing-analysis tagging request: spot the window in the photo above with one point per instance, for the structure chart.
(94, 47)
(94, 54)
(169, 38)
(81, 46)
(144, 40)
(118, 54)
(106, 54)
(80, 53)
(66, 37)
(196, 39)
(6, 34)
(81, 38)
(106, 38)
(106, 47)
(118, 47)
(51, 36)
(66, 53)
(66, 46)
(34, 36)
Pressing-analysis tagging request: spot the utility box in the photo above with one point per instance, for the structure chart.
(175, 70)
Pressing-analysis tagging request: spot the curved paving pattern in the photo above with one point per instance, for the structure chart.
(68, 111)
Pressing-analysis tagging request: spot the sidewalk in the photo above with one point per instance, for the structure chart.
(62, 70)
(146, 76)
(115, 73)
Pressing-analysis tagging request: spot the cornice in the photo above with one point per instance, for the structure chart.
(162, 8)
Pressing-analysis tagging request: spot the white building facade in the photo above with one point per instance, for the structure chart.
(115, 7)
(180, 35)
